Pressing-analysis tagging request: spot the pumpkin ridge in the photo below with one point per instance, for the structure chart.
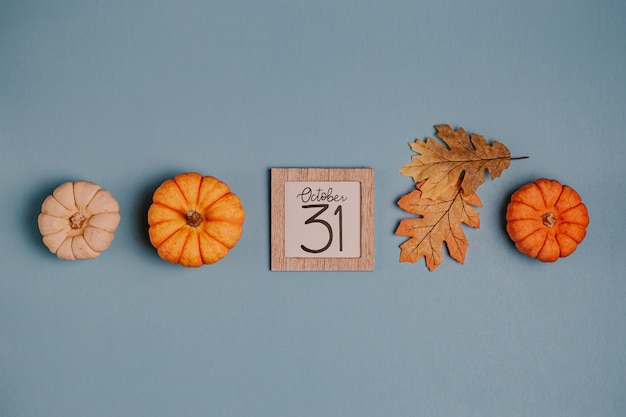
(535, 230)
(212, 236)
(540, 230)
(556, 202)
(527, 205)
(207, 204)
(574, 223)
(200, 243)
(90, 199)
(198, 196)
(518, 198)
(166, 206)
(61, 244)
(75, 199)
(63, 205)
(161, 222)
(546, 196)
(168, 236)
(180, 255)
(61, 194)
(189, 203)
(96, 227)
(96, 221)
(87, 240)
(545, 244)
(524, 218)
(209, 261)
(186, 248)
(572, 208)
(227, 219)
(545, 202)
(217, 219)
(563, 232)
(206, 232)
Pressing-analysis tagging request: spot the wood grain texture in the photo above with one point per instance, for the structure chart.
(278, 178)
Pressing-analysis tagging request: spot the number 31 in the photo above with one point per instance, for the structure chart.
(314, 219)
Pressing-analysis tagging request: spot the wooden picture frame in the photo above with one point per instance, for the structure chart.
(351, 204)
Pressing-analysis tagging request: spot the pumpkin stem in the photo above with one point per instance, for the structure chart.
(77, 220)
(549, 219)
(193, 218)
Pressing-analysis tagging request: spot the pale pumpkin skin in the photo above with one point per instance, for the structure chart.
(194, 220)
(78, 220)
(546, 220)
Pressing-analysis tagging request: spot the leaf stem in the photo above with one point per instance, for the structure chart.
(518, 158)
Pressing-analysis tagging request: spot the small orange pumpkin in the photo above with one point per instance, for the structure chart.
(546, 220)
(194, 220)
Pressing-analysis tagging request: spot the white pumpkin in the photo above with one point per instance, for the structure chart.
(78, 220)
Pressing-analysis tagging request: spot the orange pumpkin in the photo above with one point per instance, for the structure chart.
(546, 220)
(194, 220)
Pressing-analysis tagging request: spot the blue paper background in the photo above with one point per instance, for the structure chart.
(129, 93)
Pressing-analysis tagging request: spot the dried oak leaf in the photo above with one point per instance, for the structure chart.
(465, 157)
(440, 222)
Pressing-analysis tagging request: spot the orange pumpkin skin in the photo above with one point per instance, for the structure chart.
(194, 220)
(546, 220)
